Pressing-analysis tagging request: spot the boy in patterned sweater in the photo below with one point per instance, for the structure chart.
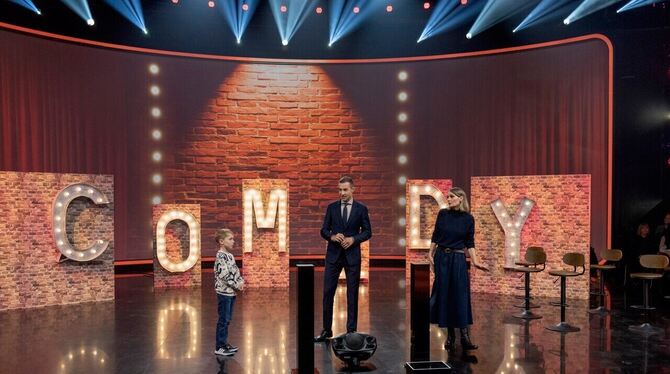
(227, 281)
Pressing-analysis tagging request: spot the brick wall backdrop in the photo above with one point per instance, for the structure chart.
(265, 266)
(559, 222)
(30, 274)
(176, 248)
(282, 122)
(429, 209)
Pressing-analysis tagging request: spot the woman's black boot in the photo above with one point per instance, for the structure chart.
(465, 340)
(450, 343)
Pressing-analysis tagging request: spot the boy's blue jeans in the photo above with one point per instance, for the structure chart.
(226, 304)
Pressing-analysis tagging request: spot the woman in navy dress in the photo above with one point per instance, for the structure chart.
(453, 239)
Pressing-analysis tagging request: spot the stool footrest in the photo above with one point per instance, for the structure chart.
(646, 328)
(562, 327)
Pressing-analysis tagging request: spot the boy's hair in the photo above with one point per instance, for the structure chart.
(222, 234)
(347, 179)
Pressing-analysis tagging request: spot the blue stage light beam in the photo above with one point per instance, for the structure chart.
(289, 21)
(494, 12)
(636, 4)
(28, 4)
(343, 18)
(131, 10)
(238, 14)
(448, 15)
(82, 9)
(546, 10)
(587, 7)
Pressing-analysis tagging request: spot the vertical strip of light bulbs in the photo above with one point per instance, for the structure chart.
(402, 118)
(156, 133)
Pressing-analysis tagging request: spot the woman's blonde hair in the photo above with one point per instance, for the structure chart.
(222, 234)
(464, 206)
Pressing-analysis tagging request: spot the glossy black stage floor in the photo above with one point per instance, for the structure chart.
(143, 331)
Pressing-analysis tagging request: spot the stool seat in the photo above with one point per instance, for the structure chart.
(564, 273)
(526, 263)
(524, 269)
(646, 275)
(603, 267)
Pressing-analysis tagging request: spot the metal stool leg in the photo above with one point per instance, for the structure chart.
(563, 326)
(527, 313)
(600, 310)
(646, 328)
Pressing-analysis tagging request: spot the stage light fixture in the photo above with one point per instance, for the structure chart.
(289, 16)
(156, 134)
(319, 10)
(402, 138)
(175, 1)
(402, 96)
(156, 112)
(156, 200)
(402, 159)
(402, 76)
(211, 4)
(356, 10)
(402, 180)
(238, 14)
(81, 8)
(353, 348)
(389, 8)
(28, 4)
(156, 156)
(156, 178)
(426, 5)
(347, 15)
(155, 90)
(402, 117)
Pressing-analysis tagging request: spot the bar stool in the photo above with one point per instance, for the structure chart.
(612, 255)
(575, 260)
(534, 258)
(654, 262)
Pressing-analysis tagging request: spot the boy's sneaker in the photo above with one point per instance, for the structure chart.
(223, 352)
(230, 348)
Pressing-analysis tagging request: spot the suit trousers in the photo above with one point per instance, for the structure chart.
(330, 279)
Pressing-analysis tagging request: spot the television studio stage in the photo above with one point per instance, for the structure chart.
(129, 137)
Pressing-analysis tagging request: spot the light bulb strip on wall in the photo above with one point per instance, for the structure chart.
(60, 205)
(156, 133)
(402, 157)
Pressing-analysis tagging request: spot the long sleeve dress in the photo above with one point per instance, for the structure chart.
(450, 304)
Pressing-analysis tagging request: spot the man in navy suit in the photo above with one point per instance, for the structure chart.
(345, 227)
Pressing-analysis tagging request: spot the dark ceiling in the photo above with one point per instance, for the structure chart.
(192, 26)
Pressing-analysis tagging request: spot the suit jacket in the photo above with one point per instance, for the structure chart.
(358, 227)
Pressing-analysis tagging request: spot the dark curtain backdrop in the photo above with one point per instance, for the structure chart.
(75, 109)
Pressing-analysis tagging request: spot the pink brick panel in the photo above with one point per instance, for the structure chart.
(30, 274)
(560, 222)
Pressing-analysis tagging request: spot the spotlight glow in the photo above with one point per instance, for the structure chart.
(155, 90)
(546, 10)
(402, 76)
(131, 10)
(402, 117)
(587, 7)
(402, 159)
(402, 138)
(289, 15)
(426, 5)
(636, 4)
(389, 8)
(238, 14)
(154, 69)
(448, 16)
(156, 134)
(495, 12)
(156, 156)
(81, 8)
(402, 96)
(319, 10)
(346, 15)
(211, 4)
(28, 4)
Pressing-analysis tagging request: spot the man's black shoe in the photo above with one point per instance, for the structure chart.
(325, 334)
